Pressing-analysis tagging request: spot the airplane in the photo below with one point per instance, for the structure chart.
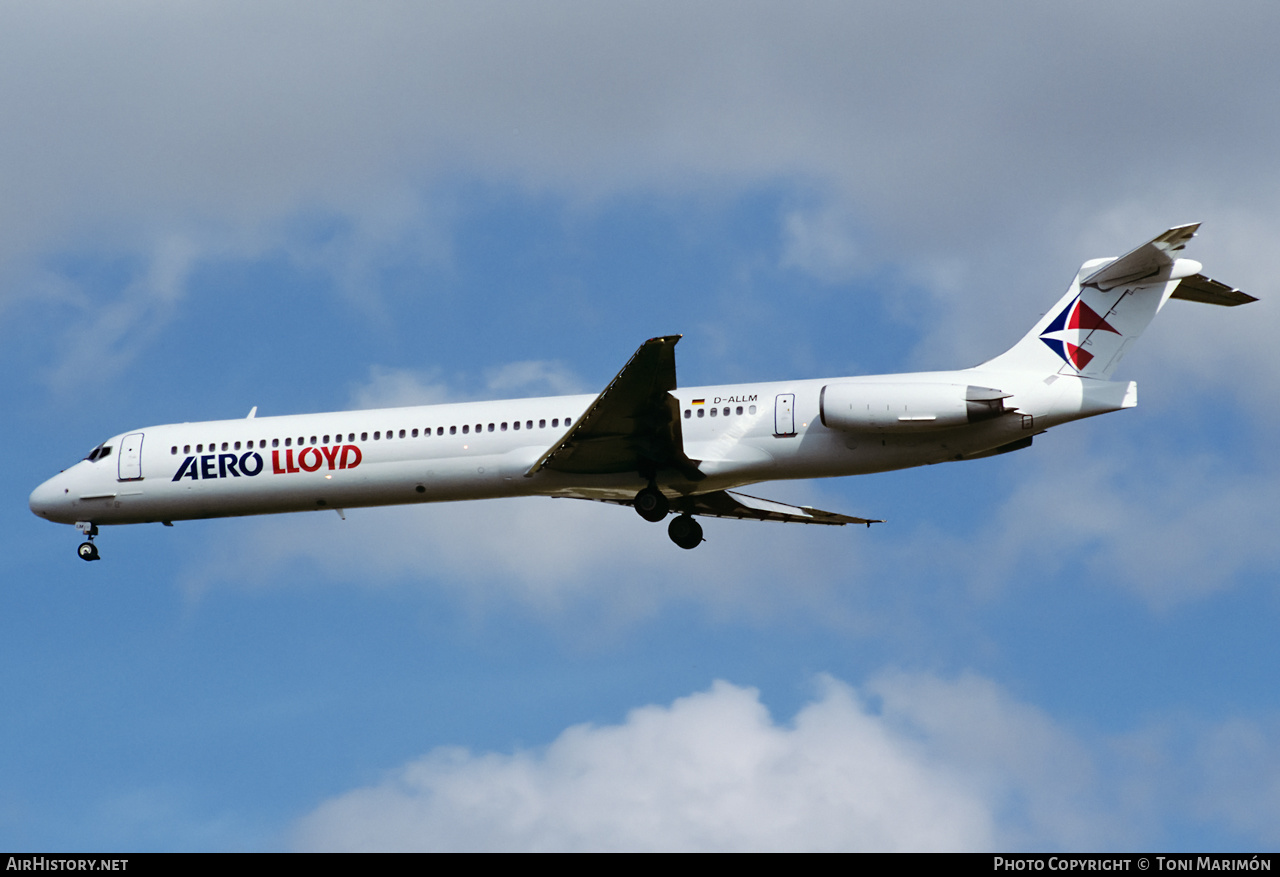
(643, 441)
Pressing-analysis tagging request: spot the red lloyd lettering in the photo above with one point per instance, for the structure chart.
(311, 459)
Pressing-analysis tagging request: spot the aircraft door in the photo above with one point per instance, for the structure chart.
(131, 457)
(784, 415)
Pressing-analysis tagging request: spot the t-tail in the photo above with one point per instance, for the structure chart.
(1109, 304)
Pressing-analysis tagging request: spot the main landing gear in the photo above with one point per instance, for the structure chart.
(87, 550)
(685, 531)
(653, 506)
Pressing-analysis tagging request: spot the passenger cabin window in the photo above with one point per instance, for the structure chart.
(466, 428)
(453, 430)
(542, 424)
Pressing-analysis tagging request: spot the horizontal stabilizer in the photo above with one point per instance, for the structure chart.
(1152, 260)
(1209, 291)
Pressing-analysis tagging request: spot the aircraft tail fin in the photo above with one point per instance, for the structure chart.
(1108, 306)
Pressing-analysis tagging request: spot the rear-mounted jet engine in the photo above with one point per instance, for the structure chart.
(858, 406)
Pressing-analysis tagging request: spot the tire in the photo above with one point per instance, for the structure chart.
(685, 531)
(651, 505)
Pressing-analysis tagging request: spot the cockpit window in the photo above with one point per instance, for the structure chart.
(100, 452)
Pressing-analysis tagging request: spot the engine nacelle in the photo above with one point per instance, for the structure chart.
(907, 407)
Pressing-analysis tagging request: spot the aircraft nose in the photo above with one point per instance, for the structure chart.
(50, 498)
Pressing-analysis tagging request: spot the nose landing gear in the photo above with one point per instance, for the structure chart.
(87, 550)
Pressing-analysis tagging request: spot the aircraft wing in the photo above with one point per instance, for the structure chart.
(731, 504)
(633, 426)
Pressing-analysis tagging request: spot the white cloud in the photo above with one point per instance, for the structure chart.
(1239, 778)
(912, 761)
(395, 388)
(535, 376)
(926, 121)
(711, 772)
(1038, 782)
(1170, 528)
(109, 333)
(976, 143)
(562, 559)
(826, 243)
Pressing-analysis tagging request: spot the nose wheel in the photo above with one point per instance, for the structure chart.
(87, 550)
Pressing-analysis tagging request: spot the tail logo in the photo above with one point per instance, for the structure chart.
(1068, 331)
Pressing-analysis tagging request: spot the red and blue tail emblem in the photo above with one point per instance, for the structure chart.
(1066, 334)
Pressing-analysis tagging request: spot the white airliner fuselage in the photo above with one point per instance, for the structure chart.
(642, 441)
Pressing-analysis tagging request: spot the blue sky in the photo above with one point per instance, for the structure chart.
(318, 207)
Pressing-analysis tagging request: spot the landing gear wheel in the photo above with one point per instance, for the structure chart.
(685, 531)
(651, 504)
(88, 551)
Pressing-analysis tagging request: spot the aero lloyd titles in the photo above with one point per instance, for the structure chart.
(251, 463)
